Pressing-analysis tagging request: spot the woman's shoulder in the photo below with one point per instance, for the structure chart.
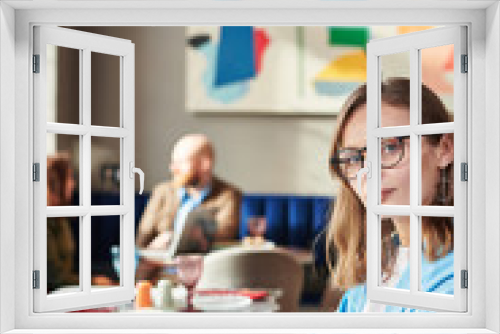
(353, 300)
(441, 265)
(438, 275)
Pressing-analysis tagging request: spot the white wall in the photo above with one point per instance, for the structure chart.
(7, 160)
(275, 154)
(491, 166)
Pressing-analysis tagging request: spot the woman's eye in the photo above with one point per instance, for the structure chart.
(390, 148)
(355, 159)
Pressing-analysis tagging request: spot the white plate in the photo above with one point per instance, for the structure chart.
(221, 303)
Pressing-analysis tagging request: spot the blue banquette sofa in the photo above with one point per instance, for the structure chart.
(292, 220)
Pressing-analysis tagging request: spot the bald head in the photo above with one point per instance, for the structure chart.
(192, 159)
(192, 145)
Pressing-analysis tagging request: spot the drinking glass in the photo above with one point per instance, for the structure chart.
(257, 227)
(189, 270)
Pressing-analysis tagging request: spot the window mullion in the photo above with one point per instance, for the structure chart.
(86, 170)
(419, 210)
(433, 128)
(415, 250)
(374, 75)
(66, 129)
(418, 129)
(80, 211)
(127, 155)
(392, 131)
(109, 132)
(86, 121)
(86, 272)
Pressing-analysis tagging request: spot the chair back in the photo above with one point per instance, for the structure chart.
(240, 267)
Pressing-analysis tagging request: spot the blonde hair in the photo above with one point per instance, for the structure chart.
(346, 231)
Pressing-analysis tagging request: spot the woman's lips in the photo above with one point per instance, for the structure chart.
(385, 193)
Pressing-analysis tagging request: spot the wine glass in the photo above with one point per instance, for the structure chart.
(189, 269)
(257, 227)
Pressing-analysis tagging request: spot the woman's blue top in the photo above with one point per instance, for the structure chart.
(437, 277)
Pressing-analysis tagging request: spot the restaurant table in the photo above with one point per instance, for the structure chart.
(153, 265)
(267, 304)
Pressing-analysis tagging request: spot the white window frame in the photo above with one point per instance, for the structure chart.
(484, 50)
(85, 43)
(413, 43)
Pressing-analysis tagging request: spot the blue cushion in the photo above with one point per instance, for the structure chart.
(292, 220)
(277, 216)
(300, 219)
(322, 209)
(321, 213)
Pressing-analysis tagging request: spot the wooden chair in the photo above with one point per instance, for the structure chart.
(241, 267)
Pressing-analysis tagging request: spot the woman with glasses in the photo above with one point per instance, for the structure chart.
(347, 228)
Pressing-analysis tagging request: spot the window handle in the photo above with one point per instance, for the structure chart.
(365, 170)
(133, 170)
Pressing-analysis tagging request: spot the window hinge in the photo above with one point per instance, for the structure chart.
(36, 63)
(465, 279)
(36, 172)
(36, 279)
(465, 64)
(464, 171)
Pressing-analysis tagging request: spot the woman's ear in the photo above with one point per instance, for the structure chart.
(445, 150)
(206, 163)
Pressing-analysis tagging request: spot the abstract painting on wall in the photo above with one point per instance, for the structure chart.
(286, 69)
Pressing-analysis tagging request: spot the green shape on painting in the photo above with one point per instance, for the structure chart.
(348, 36)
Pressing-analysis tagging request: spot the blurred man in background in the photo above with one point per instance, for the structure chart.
(193, 188)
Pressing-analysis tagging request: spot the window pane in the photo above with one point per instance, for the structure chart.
(437, 66)
(395, 92)
(437, 274)
(63, 169)
(395, 171)
(63, 255)
(437, 170)
(395, 252)
(105, 90)
(106, 171)
(63, 84)
(106, 264)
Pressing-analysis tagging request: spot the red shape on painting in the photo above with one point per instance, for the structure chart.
(261, 40)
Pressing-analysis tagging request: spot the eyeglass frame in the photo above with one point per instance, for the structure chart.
(335, 161)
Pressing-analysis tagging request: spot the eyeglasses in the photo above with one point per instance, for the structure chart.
(348, 161)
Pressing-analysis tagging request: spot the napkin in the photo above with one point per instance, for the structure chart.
(252, 294)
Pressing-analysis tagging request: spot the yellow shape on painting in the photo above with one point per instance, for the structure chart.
(408, 29)
(347, 68)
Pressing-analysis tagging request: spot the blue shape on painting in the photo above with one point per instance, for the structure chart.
(333, 88)
(226, 94)
(236, 57)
